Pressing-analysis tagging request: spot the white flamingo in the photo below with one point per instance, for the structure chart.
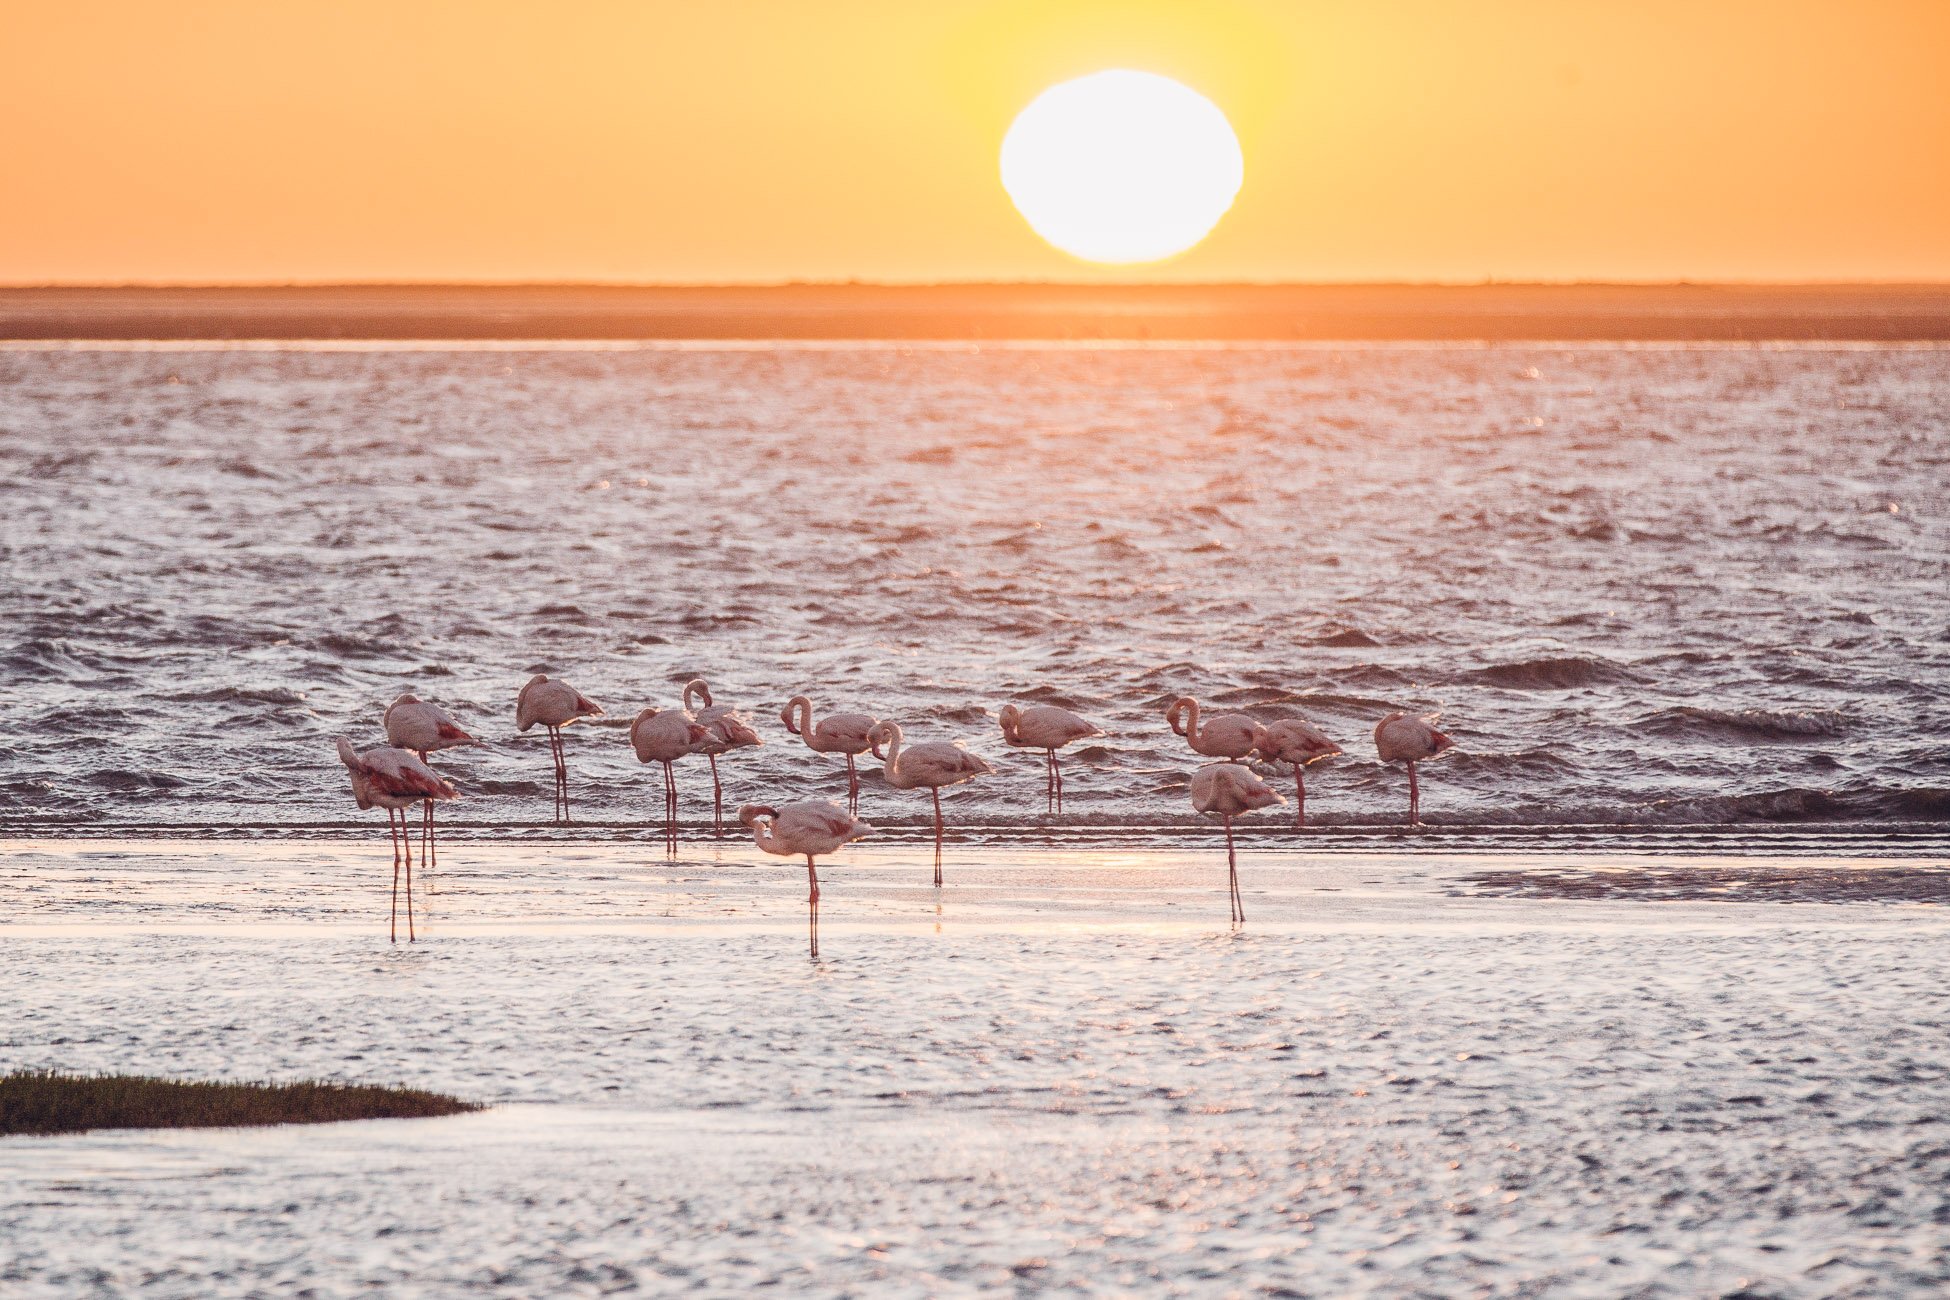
(930, 765)
(1048, 728)
(1230, 736)
(729, 730)
(809, 829)
(1295, 741)
(1399, 738)
(553, 704)
(664, 736)
(412, 723)
(836, 733)
(394, 779)
(1229, 790)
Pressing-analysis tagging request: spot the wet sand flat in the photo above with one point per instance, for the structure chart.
(1062, 1071)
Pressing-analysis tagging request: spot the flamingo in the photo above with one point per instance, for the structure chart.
(933, 764)
(664, 736)
(1230, 736)
(1398, 738)
(394, 779)
(837, 733)
(1229, 790)
(412, 723)
(1048, 728)
(554, 704)
(729, 730)
(1295, 741)
(809, 828)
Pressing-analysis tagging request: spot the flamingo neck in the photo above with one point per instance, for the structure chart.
(893, 747)
(1191, 722)
(801, 708)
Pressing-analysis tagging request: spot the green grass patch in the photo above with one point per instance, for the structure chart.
(34, 1101)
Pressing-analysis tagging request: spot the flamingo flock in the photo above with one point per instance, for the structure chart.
(398, 775)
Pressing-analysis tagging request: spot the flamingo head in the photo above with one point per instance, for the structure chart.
(699, 687)
(882, 733)
(1011, 719)
(348, 755)
(753, 813)
(791, 710)
(1175, 715)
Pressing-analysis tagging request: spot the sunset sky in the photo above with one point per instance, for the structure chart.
(300, 140)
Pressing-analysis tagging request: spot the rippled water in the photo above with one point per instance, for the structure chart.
(1645, 584)
(1060, 1074)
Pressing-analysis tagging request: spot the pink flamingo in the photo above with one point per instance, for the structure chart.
(1398, 738)
(1229, 790)
(1048, 728)
(394, 779)
(1292, 740)
(930, 765)
(729, 730)
(808, 829)
(1231, 736)
(837, 733)
(554, 704)
(412, 723)
(664, 736)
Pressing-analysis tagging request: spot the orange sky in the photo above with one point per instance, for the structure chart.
(741, 140)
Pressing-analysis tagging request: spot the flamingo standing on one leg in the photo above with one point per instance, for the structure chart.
(554, 704)
(1048, 728)
(1399, 738)
(664, 736)
(1229, 790)
(807, 829)
(1231, 735)
(394, 779)
(1292, 740)
(837, 733)
(412, 723)
(729, 730)
(933, 764)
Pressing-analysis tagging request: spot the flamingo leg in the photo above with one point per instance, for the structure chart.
(937, 834)
(410, 936)
(562, 773)
(1056, 772)
(392, 832)
(1299, 795)
(1232, 876)
(812, 906)
(1049, 780)
(670, 810)
(717, 799)
(1414, 797)
(852, 787)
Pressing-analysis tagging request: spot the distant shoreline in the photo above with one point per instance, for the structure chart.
(1235, 312)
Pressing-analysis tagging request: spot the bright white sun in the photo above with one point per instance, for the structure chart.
(1122, 166)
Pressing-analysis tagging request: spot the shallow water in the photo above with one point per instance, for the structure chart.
(1645, 584)
(1061, 1072)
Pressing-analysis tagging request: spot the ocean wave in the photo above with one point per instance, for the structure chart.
(1553, 673)
(1745, 725)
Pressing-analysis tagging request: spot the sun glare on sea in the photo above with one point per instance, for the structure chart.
(1122, 166)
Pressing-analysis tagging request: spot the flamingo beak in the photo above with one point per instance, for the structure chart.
(875, 750)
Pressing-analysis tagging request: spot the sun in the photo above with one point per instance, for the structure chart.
(1122, 166)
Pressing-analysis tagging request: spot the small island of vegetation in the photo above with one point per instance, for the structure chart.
(44, 1102)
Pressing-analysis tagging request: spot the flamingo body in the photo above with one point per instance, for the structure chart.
(394, 779)
(664, 736)
(1400, 738)
(553, 704)
(1296, 741)
(1048, 728)
(1230, 790)
(836, 733)
(1230, 735)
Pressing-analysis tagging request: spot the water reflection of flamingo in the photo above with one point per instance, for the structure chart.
(412, 723)
(808, 829)
(394, 779)
(1229, 790)
(1291, 740)
(664, 736)
(1048, 728)
(1399, 738)
(930, 765)
(729, 730)
(837, 733)
(1231, 735)
(554, 704)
